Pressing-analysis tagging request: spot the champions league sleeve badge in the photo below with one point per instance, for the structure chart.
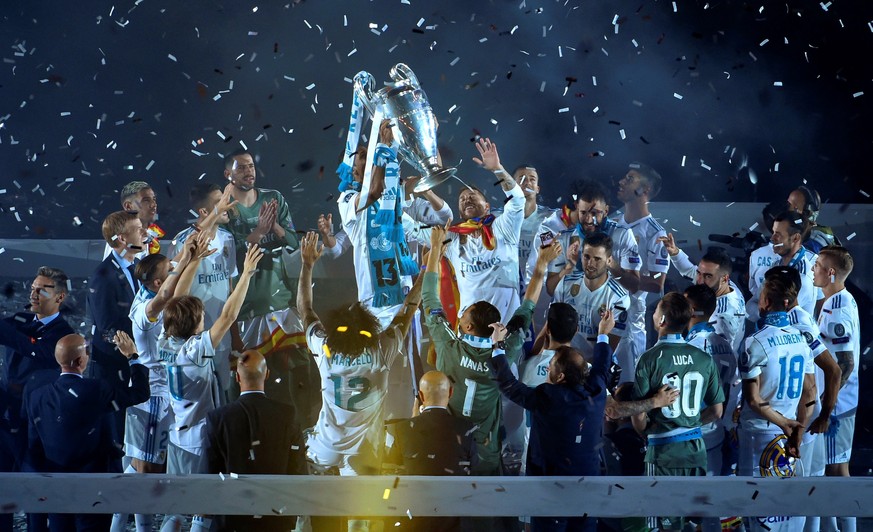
(774, 460)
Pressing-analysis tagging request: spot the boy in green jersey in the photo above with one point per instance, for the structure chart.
(675, 444)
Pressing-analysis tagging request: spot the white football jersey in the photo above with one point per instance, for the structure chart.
(353, 393)
(730, 308)
(653, 261)
(212, 285)
(624, 245)
(588, 304)
(354, 224)
(194, 389)
(145, 336)
(484, 274)
(764, 258)
(534, 371)
(529, 242)
(704, 337)
(781, 357)
(841, 331)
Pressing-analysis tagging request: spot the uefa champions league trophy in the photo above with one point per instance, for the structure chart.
(414, 124)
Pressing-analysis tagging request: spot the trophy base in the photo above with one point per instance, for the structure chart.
(433, 179)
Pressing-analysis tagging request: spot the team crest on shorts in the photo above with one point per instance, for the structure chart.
(774, 460)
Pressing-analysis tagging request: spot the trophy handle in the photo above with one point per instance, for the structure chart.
(364, 90)
(401, 71)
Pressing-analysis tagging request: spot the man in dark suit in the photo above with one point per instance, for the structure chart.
(30, 339)
(434, 443)
(255, 435)
(69, 424)
(111, 291)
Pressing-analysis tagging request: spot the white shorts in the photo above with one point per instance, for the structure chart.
(714, 439)
(838, 439)
(147, 430)
(812, 456)
(364, 462)
(183, 462)
(762, 454)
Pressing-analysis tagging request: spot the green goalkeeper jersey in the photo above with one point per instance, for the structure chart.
(466, 360)
(673, 361)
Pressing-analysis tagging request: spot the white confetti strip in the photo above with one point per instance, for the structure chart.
(850, 237)
(777, 83)
(858, 94)
(564, 109)
(172, 57)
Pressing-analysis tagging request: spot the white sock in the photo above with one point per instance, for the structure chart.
(143, 522)
(849, 524)
(119, 522)
(829, 524)
(172, 523)
(813, 524)
(201, 523)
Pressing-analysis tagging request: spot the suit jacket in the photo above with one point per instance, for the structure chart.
(30, 351)
(566, 422)
(436, 443)
(69, 426)
(108, 304)
(259, 436)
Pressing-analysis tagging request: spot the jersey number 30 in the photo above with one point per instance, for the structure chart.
(690, 388)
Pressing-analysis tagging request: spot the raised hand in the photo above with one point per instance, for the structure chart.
(386, 133)
(607, 322)
(324, 224)
(549, 253)
(253, 255)
(199, 245)
(310, 250)
(124, 343)
(669, 244)
(498, 332)
(266, 218)
(438, 237)
(573, 254)
(488, 151)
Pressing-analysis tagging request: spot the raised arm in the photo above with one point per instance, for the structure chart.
(310, 252)
(198, 250)
(678, 258)
(234, 302)
(403, 319)
(545, 256)
(555, 277)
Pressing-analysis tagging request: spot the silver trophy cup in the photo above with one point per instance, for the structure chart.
(415, 126)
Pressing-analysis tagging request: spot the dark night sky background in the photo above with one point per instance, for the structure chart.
(111, 62)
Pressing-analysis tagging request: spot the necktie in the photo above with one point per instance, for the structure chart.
(131, 269)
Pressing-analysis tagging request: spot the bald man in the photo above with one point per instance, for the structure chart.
(70, 429)
(255, 435)
(435, 442)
